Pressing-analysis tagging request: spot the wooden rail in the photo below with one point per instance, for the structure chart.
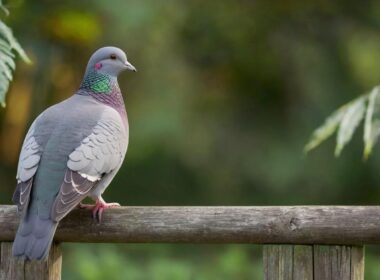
(330, 225)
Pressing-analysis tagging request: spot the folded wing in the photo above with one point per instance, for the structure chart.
(29, 160)
(98, 154)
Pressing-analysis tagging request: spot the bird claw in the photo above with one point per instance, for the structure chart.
(99, 207)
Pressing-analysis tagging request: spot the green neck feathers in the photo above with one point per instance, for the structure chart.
(98, 82)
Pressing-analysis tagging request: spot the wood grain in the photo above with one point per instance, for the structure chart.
(303, 262)
(351, 225)
(318, 262)
(357, 263)
(278, 262)
(322, 263)
(19, 269)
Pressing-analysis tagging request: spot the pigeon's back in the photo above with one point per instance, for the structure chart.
(57, 131)
(63, 127)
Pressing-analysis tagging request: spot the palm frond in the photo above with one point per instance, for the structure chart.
(350, 121)
(347, 119)
(371, 124)
(326, 129)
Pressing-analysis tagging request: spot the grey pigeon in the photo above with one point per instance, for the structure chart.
(72, 150)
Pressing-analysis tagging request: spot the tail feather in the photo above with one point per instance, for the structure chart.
(34, 237)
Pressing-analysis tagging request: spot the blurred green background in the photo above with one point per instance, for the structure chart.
(226, 96)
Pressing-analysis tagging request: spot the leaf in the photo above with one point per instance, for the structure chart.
(370, 125)
(375, 131)
(326, 129)
(351, 119)
(7, 35)
(4, 84)
(2, 7)
(8, 46)
(347, 118)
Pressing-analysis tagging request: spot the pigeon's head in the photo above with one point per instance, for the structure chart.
(110, 61)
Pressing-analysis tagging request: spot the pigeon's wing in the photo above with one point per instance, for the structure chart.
(22, 194)
(73, 189)
(98, 154)
(27, 167)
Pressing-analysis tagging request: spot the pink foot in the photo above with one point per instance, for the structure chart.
(99, 207)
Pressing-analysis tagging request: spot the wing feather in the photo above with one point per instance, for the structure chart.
(103, 150)
(29, 160)
(30, 156)
(22, 194)
(73, 189)
(99, 153)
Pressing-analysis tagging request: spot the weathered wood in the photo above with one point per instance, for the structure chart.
(357, 263)
(303, 262)
(288, 262)
(278, 262)
(318, 262)
(341, 262)
(338, 262)
(292, 225)
(322, 262)
(18, 269)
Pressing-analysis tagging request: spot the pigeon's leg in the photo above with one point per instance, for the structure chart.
(100, 205)
(86, 206)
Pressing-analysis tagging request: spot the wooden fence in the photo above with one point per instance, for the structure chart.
(300, 242)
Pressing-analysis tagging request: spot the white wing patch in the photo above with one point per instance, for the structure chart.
(89, 177)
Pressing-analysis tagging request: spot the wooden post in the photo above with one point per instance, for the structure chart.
(313, 262)
(17, 269)
(341, 225)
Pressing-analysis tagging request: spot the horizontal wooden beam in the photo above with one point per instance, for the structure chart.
(274, 224)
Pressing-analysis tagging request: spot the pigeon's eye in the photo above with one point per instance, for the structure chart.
(113, 56)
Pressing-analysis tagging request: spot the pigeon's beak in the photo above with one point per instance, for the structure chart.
(129, 66)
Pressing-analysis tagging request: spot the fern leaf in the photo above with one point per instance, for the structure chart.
(7, 35)
(8, 46)
(350, 121)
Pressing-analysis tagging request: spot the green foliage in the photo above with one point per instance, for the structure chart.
(8, 46)
(161, 262)
(3, 8)
(347, 119)
(372, 259)
(371, 124)
(327, 129)
(226, 93)
(73, 25)
(353, 115)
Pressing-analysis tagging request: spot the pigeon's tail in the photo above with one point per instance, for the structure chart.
(34, 237)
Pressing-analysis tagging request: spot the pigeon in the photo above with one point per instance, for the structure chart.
(72, 150)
